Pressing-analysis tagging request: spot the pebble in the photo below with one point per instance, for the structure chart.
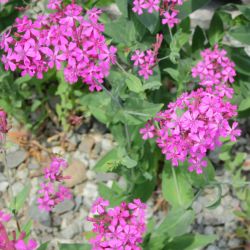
(87, 144)
(42, 217)
(3, 186)
(14, 159)
(17, 187)
(77, 172)
(65, 206)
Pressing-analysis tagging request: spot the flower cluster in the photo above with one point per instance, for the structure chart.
(215, 68)
(120, 227)
(61, 39)
(195, 122)
(52, 193)
(167, 9)
(14, 244)
(146, 60)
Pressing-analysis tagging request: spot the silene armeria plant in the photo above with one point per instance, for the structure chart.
(167, 92)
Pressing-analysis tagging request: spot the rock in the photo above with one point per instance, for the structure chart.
(41, 217)
(246, 1)
(209, 230)
(17, 187)
(3, 186)
(234, 243)
(22, 173)
(77, 172)
(87, 144)
(65, 206)
(33, 164)
(213, 248)
(106, 144)
(105, 176)
(72, 230)
(96, 150)
(14, 159)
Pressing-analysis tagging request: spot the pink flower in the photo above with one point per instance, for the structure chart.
(170, 18)
(147, 132)
(120, 228)
(138, 6)
(21, 245)
(152, 5)
(196, 121)
(63, 38)
(99, 206)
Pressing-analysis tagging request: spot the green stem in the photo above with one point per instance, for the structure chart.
(163, 58)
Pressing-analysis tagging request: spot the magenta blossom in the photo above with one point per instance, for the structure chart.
(195, 122)
(121, 227)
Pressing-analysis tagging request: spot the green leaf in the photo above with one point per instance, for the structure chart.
(176, 188)
(190, 6)
(110, 161)
(121, 31)
(244, 105)
(201, 180)
(173, 73)
(176, 223)
(154, 85)
(149, 20)
(128, 162)
(134, 83)
(198, 39)
(123, 6)
(74, 247)
(217, 201)
(241, 59)
(18, 202)
(216, 30)
(241, 34)
(44, 246)
(190, 242)
(244, 9)
(115, 194)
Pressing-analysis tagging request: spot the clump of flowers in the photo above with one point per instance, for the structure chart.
(63, 39)
(146, 60)
(215, 68)
(166, 8)
(195, 122)
(52, 193)
(14, 244)
(121, 227)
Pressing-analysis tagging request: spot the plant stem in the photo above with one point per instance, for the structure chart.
(121, 68)
(163, 58)
(11, 193)
(116, 100)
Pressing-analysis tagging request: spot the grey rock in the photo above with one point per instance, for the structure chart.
(17, 187)
(22, 173)
(105, 176)
(72, 230)
(3, 186)
(87, 144)
(14, 159)
(234, 243)
(246, 1)
(33, 164)
(65, 206)
(209, 230)
(41, 217)
(213, 248)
